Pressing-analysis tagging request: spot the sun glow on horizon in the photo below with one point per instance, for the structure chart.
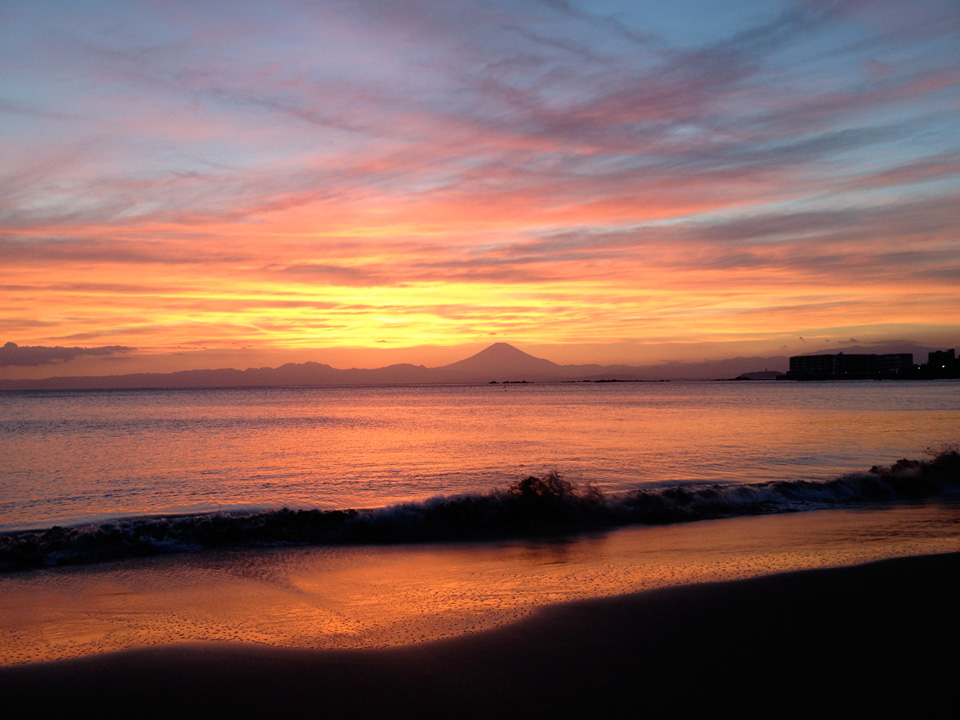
(628, 181)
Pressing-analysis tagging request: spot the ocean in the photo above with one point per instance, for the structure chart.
(365, 517)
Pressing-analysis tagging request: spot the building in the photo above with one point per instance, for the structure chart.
(942, 359)
(942, 364)
(850, 367)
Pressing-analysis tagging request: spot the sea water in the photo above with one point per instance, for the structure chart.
(120, 464)
(73, 457)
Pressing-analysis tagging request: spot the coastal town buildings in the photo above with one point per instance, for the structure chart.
(893, 366)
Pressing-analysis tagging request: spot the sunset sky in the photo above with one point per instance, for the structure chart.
(209, 184)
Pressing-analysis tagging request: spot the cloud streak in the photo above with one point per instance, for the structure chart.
(12, 354)
(358, 170)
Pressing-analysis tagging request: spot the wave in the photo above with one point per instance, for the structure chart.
(530, 507)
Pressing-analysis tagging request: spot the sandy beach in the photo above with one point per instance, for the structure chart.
(857, 638)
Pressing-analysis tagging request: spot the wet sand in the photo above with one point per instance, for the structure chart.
(349, 598)
(879, 636)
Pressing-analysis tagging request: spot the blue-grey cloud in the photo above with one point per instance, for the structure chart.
(12, 355)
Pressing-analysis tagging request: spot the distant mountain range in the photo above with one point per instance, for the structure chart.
(498, 363)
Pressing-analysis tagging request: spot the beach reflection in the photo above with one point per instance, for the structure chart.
(383, 596)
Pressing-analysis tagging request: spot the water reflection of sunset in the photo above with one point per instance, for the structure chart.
(82, 457)
(376, 597)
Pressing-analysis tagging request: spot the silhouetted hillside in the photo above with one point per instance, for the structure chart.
(500, 362)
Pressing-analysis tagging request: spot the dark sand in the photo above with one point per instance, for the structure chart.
(873, 638)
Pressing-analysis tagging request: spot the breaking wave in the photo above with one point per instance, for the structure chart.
(529, 507)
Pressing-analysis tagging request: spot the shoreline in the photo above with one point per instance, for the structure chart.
(855, 637)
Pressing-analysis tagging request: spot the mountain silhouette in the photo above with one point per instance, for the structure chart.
(500, 362)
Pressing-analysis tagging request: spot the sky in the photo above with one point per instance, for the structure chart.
(236, 184)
